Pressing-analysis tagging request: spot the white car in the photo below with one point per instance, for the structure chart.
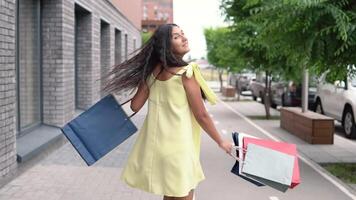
(338, 100)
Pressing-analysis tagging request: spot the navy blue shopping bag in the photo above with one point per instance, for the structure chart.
(235, 168)
(99, 129)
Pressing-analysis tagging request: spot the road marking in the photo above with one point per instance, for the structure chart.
(224, 131)
(211, 115)
(273, 198)
(216, 122)
(306, 160)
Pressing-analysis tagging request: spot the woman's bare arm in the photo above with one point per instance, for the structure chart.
(196, 103)
(140, 97)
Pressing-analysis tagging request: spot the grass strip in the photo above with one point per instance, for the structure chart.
(344, 171)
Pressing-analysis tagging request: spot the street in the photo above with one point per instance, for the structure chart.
(63, 175)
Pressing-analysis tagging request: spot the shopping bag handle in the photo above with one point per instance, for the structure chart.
(237, 148)
(132, 113)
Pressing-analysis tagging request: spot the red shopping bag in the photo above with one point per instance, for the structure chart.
(287, 148)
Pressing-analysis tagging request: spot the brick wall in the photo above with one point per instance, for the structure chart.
(58, 63)
(61, 98)
(7, 87)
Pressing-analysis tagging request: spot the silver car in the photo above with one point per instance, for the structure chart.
(338, 100)
(241, 81)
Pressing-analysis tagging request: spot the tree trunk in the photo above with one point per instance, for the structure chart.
(220, 78)
(305, 90)
(266, 95)
(212, 74)
(237, 89)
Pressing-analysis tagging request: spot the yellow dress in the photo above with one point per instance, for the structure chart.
(165, 157)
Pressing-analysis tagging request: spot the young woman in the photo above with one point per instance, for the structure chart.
(165, 157)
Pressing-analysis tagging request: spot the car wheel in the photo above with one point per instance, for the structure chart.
(318, 107)
(273, 105)
(348, 123)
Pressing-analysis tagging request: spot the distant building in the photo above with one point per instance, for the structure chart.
(52, 54)
(155, 13)
(203, 63)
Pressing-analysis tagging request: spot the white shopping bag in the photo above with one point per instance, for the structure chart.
(268, 166)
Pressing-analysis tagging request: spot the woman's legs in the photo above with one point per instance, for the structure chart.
(189, 197)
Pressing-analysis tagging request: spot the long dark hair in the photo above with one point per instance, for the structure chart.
(157, 50)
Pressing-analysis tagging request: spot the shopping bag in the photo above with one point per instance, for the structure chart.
(268, 166)
(236, 169)
(258, 180)
(99, 129)
(284, 147)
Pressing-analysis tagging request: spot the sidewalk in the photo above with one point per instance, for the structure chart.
(342, 151)
(63, 175)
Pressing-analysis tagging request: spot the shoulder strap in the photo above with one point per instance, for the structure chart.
(193, 69)
(181, 71)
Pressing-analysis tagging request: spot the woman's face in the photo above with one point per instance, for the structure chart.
(179, 42)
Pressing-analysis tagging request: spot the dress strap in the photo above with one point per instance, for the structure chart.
(193, 68)
(181, 71)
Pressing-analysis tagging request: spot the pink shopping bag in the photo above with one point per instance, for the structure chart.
(287, 148)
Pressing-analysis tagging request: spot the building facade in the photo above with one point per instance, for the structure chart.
(52, 56)
(155, 13)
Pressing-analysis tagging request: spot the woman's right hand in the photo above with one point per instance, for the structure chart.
(226, 146)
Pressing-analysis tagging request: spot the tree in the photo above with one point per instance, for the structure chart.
(250, 50)
(145, 36)
(308, 34)
(219, 52)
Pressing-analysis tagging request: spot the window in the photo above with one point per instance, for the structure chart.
(353, 82)
(83, 49)
(104, 50)
(28, 65)
(145, 12)
(117, 47)
(126, 46)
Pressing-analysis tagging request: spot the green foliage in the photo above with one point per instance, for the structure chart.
(292, 34)
(220, 52)
(251, 50)
(145, 37)
(344, 171)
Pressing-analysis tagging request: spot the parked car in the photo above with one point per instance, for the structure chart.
(290, 95)
(241, 81)
(258, 85)
(337, 99)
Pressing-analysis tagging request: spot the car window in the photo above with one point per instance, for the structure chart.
(353, 82)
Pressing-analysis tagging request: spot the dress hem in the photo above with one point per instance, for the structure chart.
(161, 192)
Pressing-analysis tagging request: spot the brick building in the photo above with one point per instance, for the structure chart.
(51, 54)
(155, 13)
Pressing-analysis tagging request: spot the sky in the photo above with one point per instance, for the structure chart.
(193, 16)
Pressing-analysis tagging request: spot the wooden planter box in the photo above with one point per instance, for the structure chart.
(312, 127)
(228, 91)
